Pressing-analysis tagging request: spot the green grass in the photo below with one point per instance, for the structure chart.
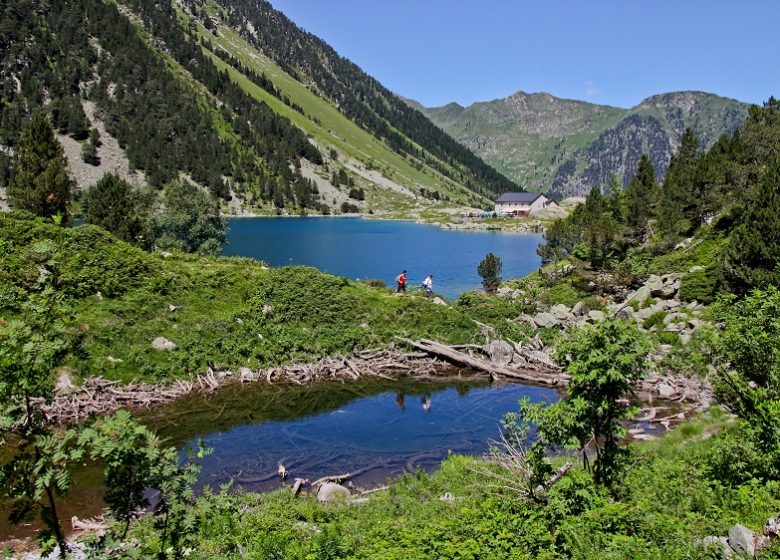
(229, 312)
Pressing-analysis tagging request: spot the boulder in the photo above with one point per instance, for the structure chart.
(162, 344)
(624, 313)
(673, 317)
(561, 312)
(500, 352)
(330, 491)
(665, 391)
(504, 291)
(742, 540)
(596, 316)
(645, 313)
(546, 320)
(671, 304)
(641, 295)
(655, 285)
(721, 544)
(438, 301)
(695, 323)
(675, 327)
(577, 309)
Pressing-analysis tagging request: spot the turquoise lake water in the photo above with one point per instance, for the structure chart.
(360, 249)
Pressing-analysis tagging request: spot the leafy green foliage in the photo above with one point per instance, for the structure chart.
(40, 183)
(749, 373)
(189, 221)
(489, 270)
(604, 362)
(31, 345)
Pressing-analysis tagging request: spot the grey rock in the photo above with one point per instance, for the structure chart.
(667, 292)
(596, 316)
(655, 285)
(665, 391)
(742, 540)
(673, 317)
(546, 320)
(500, 352)
(504, 291)
(561, 312)
(643, 314)
(308, 527)
(772, 527)
(641, 295)
(685, 338)
(695, 323)
(330, 491)
(577, 309)
(163, 344)
(672, 304)
(624, 313)
(721, 544)
(438, 301)
(696, 268)
(267, 309)
(675, 327)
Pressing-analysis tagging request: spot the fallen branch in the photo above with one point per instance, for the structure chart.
(452, 355)
(544, 487)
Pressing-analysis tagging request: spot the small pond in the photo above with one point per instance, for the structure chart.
(378, 429)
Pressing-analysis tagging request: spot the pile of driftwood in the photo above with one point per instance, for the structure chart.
(97, 396)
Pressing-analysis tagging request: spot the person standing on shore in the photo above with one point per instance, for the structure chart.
(428, 285)
(400, 281)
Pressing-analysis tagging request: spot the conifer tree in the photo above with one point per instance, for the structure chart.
(641, 198)
(41, 184)
(752, 256)
(113, 205)
(680, 206)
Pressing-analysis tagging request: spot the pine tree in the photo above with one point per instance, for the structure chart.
(40, 184)
(490, 271)
(752, 256)
(113, 205)
(680, 206)
(641, 198)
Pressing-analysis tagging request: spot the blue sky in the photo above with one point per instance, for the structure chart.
(615, 52)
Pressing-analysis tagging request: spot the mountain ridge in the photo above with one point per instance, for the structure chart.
(567, 146)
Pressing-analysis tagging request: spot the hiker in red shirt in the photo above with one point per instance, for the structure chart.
(401, 281)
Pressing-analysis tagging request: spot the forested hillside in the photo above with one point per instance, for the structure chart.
(152, 79)
(567, 146)
(358, 95)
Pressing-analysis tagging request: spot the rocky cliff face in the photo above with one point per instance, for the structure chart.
(566, 147)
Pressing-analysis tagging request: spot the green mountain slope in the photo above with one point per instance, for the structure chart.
(567, 147)
(172, 89)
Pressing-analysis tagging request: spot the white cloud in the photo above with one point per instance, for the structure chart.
(591, 90)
